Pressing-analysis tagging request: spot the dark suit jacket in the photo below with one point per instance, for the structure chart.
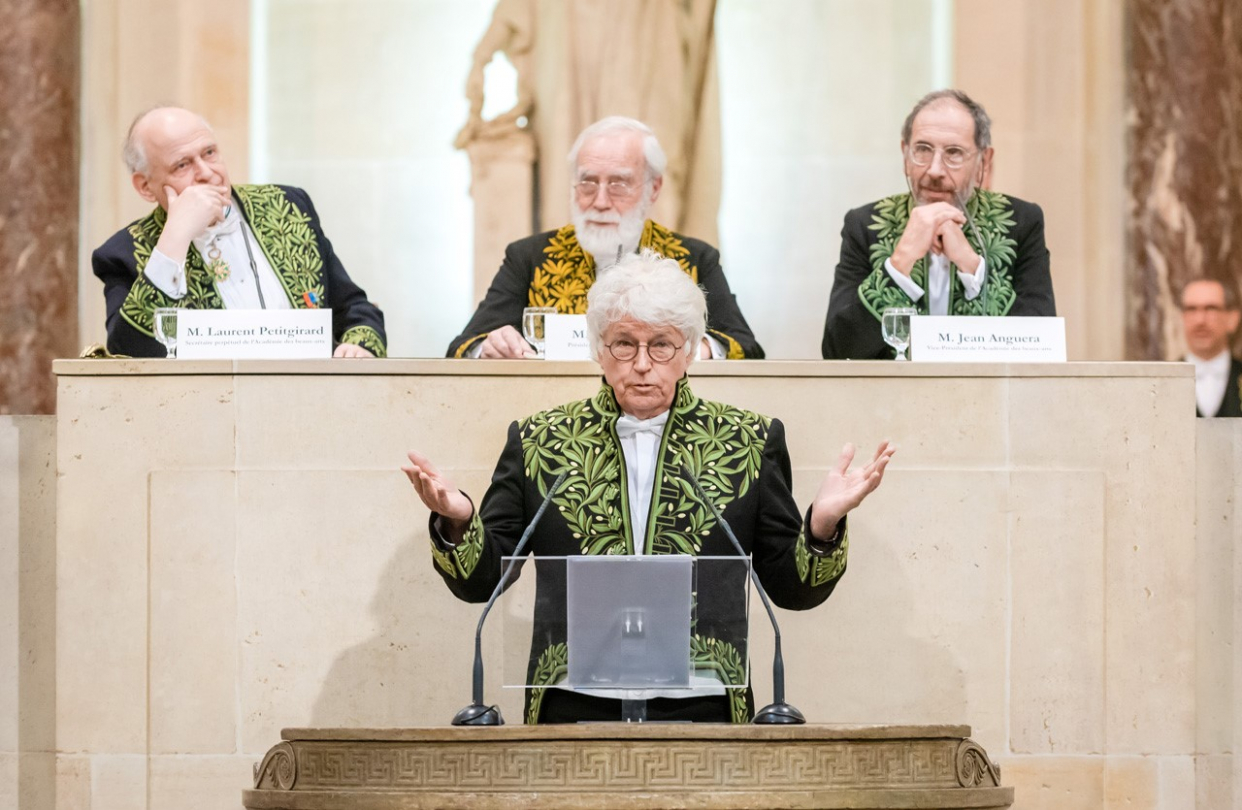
(740, 458)
(519, 284)
(1231, 405)
(288, 231)
(852, 328)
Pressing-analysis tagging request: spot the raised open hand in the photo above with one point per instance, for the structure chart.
(843, 488)
(436, 491)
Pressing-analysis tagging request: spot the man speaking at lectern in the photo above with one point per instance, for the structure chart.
(626, 493)
(947, 247)
(212, 245)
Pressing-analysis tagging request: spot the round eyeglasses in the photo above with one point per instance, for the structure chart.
(922, 154)
(661, 351)
(618, 189)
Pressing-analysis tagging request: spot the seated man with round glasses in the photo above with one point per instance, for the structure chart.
(625, 492)
(949, 246)
(618, 169)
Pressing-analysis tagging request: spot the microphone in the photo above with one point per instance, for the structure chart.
(478, 713)
(983, 287)
(778, 711)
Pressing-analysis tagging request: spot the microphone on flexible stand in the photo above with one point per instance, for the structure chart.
(778, 711)
(478, 713)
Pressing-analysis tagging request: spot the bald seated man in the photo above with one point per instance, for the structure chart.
(211, 245)
(618, 169)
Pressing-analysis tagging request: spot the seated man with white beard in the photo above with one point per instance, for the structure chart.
(618, 168)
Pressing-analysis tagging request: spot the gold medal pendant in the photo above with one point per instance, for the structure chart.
(216, 265)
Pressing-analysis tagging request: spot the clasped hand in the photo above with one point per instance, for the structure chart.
(935, 228)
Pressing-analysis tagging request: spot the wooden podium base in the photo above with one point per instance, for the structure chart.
(628, 766)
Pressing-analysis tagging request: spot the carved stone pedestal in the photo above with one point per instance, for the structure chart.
(628, 766)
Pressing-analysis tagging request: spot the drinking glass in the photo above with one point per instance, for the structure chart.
(166, 329)
(532, 326)
(895, 326)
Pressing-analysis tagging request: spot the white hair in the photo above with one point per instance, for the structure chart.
(134, 150)
(657, 162)
(652, 290)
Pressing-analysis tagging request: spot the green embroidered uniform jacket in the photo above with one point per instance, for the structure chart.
(1018, 280)
(738, 456)
(552, 270)
(1231, 405)
(289, 234)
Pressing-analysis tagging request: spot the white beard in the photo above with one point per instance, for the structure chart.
(602, 241)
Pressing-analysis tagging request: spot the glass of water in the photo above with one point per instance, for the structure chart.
(166, 329)
(533, 320)
(895, 326)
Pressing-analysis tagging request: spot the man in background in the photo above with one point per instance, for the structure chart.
(1210, 317)
(947, 247)
(212, 245)
(618, 170)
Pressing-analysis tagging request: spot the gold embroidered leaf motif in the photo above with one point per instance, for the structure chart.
(287, 239)
(572, 437)
(550, 669)
(718, 656)
(993, 215)
(140, 304)
(468, 552)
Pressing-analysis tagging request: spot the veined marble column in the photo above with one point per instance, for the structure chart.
(39, 207)
(1185, 163)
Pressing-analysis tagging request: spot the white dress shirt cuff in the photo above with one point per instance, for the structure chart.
(972, 283)
(719, 350)
(166, 274)
(903, 281)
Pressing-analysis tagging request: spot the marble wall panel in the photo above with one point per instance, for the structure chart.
(27, 610)
(342, 619)
(200, 782)
(915, 631)
(385, 420)
(868, 409)
(10, 614)
(1149, 554)
(39, 216)
(1054, 783)
(193, 595)
(107, 443)
(1056, 668)
(1184, 93)
(1149, 783)
(73, 782)
(119, 782)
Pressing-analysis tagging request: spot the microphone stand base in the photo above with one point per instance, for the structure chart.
(778, 714)
(478, 715)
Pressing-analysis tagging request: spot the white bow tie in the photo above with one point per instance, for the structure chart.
(630, 425)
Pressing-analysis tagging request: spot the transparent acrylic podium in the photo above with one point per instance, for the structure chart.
(631, 628)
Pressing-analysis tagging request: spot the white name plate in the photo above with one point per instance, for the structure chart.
(565, 338)
(987, 339)
(254, 334)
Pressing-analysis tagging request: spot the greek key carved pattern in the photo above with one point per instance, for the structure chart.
(973, 766)
(626, 765)
(278, 770)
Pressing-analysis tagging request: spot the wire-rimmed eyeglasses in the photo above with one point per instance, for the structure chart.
(618, 189)
(922, 154)
(660, 351)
